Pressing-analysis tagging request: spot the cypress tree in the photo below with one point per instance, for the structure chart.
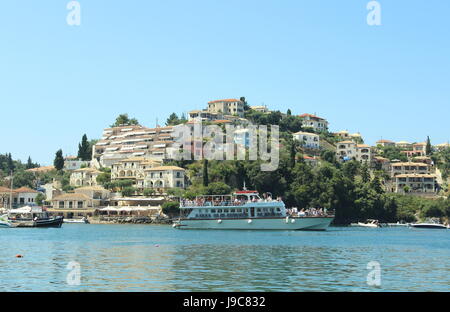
(205, 172)
(84, 152)
(428, 147)
(59, 160)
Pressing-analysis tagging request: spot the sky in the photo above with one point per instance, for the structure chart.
(150, 58)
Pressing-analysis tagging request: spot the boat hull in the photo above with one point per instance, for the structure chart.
(429, 226)
(297, 223)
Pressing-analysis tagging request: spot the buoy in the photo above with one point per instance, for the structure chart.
(293, 221)
(19, 256)
(156, 245)
(219, 221)
(250, 221)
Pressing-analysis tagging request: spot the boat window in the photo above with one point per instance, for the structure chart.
(232, 210)
(219, 210)
(213, 210)
(225, 210)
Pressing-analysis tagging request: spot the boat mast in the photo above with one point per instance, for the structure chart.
(11, 190)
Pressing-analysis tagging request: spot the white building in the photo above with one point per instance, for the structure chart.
(347, 150)
(308, 140)
(164, 177)
(314, 122)
(124, 142)
(84, 177)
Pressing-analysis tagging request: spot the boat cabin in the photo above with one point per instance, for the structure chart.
(242, 204)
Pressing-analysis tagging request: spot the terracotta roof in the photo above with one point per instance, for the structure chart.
(87, 169)
(222, 121)
(310, 115)
(162, 168)
(415, 175)
(362, 145)
(24, 190)
(409, 163)
(4, 189)
(71, 196)
(41, 169)
(90, 188)
(346, 142)
(385, 141)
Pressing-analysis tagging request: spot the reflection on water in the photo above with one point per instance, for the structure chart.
(159, 258)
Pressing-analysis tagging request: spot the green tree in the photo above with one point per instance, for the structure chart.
(40, 198)
(428, 147)
(59, 160)
(170, 208)
(84, 151)
(148, 192)
(124, 120)
(128, 191)
(205, 172)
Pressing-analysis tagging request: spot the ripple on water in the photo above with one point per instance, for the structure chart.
(159, 258)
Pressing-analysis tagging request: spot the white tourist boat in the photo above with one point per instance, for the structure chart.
(245, 210)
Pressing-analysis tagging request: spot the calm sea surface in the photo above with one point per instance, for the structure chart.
(159, 258)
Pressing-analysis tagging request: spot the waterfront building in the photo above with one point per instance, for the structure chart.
(84, 177)
(20, 197)
(164, 177)
(314, 122)
(307, 139)
(119, 143)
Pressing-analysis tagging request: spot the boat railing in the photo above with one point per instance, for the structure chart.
(221, 203)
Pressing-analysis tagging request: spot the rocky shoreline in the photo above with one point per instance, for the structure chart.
(130, 220)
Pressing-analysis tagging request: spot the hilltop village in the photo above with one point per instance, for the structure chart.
(130, 173)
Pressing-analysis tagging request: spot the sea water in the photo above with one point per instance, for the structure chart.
(160, 258)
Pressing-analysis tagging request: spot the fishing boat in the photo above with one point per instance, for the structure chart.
(246, 210)
(371, 223)
(429, 224)
(29, 216)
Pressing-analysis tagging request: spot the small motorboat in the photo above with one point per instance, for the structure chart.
(4, 223)
(83, 220)
(429, 224)
(369, 223)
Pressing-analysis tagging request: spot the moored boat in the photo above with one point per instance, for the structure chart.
(83, 220)
(429, 224)
(33, 217)
(245, 210)
(369, 223)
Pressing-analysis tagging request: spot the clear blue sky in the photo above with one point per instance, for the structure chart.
(150, 58)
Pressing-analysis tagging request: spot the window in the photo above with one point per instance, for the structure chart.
(61, 204)
(80, 204)
(70, 205)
